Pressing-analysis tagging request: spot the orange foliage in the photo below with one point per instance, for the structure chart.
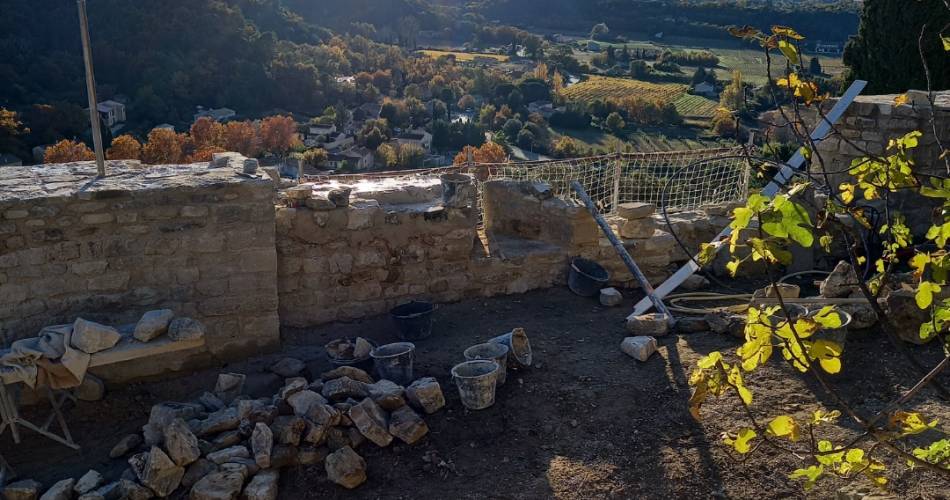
(490, 152)
(203, 154)
(124, 147)
(206, 132)
(241, 137)
(163, 146)
(66, 151)
(279, 134)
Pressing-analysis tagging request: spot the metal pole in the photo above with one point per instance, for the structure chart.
(784, 175)
(621, 250)
(91, 88)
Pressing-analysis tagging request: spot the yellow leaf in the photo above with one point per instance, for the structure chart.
(855, 456)
(784, 425)
(742, 441)
(789, 51)
(786, 31)
(946, 42)
(925, 294)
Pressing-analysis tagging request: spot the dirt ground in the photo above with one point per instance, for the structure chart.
(585, 422)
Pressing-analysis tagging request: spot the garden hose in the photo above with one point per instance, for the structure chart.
(675, 301)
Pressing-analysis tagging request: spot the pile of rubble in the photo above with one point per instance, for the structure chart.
(227, 445)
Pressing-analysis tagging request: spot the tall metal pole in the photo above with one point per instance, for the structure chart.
(91, 88)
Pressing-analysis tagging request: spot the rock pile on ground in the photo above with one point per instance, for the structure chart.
(226, 445)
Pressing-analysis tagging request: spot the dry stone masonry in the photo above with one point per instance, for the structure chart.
(189, 238)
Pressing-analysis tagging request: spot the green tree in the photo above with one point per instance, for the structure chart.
(885, 50)
(600, 30)
(615, 123)
(639, 69)
(814, 66)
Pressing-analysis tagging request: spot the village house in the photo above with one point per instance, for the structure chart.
(705, 89)
(419, 137)
(218, 114)
(111, 113)
(543, 108)
(358, 158)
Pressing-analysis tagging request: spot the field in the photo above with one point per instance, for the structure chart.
(695, 106)
(463, 56)
(605, 87)
(643, 140)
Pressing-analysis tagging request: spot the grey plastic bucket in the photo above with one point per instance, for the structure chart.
(476, 381)
(394, 362)
(837, 335)
(795, 311)
(518, 347)
(493, 351)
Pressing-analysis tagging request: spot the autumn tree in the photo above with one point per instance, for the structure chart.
(489, 152)
(241, 137)
(206, 132)
(125, 147)
(411, 156)
(615, 123)
(315, 157)
(387, 156)
(163, 147)
(66, 151)
(11, 128)
(279, 134)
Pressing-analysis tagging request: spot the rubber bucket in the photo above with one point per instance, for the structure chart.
(795, 311)
(394, 362)
(837, 335)
(476, 381)
(518, 347)
(413, 320)
(458, 190)
(493, 351)
(587, 277)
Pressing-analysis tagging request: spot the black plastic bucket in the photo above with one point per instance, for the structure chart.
(413, 320)
(587, 277)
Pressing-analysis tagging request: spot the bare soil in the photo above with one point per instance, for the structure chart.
(585, 422)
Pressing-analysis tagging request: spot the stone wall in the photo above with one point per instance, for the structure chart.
(871, 121)
(395, 243)
(190, 238)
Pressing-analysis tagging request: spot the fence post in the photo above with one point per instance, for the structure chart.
(618, 168)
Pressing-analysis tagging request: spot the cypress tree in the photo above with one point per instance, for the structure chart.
(885, 50)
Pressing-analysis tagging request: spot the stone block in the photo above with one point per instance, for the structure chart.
(635, 210)
(92, 337)
(406, 425)
(610, 297)
(153, 324)
(639, 348)
(346, 468)
(653, 324)
(638, 228)
(372, 422)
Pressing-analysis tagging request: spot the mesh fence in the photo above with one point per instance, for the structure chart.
(678, 179)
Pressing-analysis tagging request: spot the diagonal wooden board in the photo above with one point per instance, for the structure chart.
(783, 176)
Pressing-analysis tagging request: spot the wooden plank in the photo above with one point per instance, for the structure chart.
(129, 349)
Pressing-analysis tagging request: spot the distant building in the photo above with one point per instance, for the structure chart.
(543, 108)
(319, 129)
(593, 46)
(368, 111)
(357, 158)
(346, 80)
(705, 89)
(8, 160)
(418, 137)
(218, 115)
(827, 48)
(111, 113)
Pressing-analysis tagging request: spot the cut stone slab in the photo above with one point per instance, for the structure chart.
(407, 425)
(153, 324)
(125, 445)
(387, 394)
(91, 338)
(639, 348)
(371, 420)
(262, 442)
(157, 471)
(262, 487)
(88, 482)
(342, 388)
(652, 324)
(226, 455)
(229, 386)
(92, 388)
(302, 401)
(635, 210)
(218, 486)
(320, 203)
(62, 490)
(185, 329)
(426, 394)
(346, 468)
(610, 297)
(181, 443)
(347, 371)
(288, 367)
(26, 489)
(219, 421)
(638, 229)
